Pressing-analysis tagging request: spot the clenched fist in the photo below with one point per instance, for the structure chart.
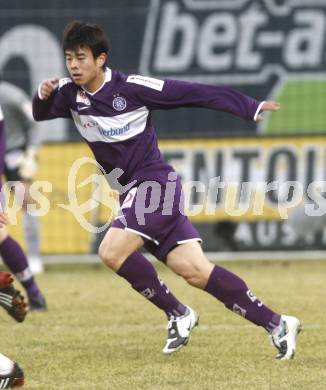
(47, 87)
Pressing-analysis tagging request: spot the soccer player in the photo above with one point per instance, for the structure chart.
(11, 375)
(112, 111)
(12, 253)
(22, 140)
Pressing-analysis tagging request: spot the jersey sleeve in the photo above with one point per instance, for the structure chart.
(56, 106)
(169, 94)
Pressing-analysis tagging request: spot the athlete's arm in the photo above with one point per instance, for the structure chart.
(49, 102)
(159, 94)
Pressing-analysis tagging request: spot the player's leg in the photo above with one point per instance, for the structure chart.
(119, 251)
(15, 259)
(189, 261)
(31, 228)
(11, 375)
(11, 299)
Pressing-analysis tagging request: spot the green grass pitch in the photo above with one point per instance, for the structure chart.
(303, 109)
(99, 334)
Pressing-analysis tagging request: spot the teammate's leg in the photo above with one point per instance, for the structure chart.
(20, 190)
(11, 375)
(15, 259)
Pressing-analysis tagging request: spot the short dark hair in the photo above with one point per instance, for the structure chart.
(78, 34)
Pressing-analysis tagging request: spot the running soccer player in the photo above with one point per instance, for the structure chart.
(22, 140)
(12, 253)
(112, 112)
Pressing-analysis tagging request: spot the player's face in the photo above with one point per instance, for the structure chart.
(84, 69)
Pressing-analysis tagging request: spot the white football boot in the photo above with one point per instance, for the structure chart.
(179, 330)
(284, 337)
(11, 375)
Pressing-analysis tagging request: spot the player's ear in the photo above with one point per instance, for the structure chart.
(101, 60)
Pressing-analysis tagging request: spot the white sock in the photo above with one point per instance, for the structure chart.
(6, 365)
(32, 234)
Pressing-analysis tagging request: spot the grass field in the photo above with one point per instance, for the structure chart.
(303, 109)
(99, 334)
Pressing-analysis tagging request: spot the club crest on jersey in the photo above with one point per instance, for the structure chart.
(82, 98)
(119, 103)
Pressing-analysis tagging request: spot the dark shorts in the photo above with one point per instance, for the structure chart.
(155, 215)
(12, 162)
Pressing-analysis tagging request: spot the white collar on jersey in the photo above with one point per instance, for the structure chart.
(108, 77)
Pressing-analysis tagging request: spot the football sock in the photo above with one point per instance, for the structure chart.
(236, 296)
(15, 259)
(142, 276)
(32, 234)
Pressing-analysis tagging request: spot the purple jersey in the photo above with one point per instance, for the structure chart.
(116, 123)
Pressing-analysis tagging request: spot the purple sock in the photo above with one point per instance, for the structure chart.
(234, 293)
(143, 277)
(15, 259)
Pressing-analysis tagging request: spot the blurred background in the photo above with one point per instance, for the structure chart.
(268, 49)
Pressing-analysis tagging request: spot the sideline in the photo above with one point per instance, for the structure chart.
(213, 256)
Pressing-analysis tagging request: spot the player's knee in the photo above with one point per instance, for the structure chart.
(196, 281)
(110, 256)
(195, 277)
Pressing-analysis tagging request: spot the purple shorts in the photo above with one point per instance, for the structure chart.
(155, 212)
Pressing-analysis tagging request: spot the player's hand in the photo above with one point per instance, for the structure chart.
(5, 279)
(268, 106)
(3, 219)
(47, 87)
(29, 166)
